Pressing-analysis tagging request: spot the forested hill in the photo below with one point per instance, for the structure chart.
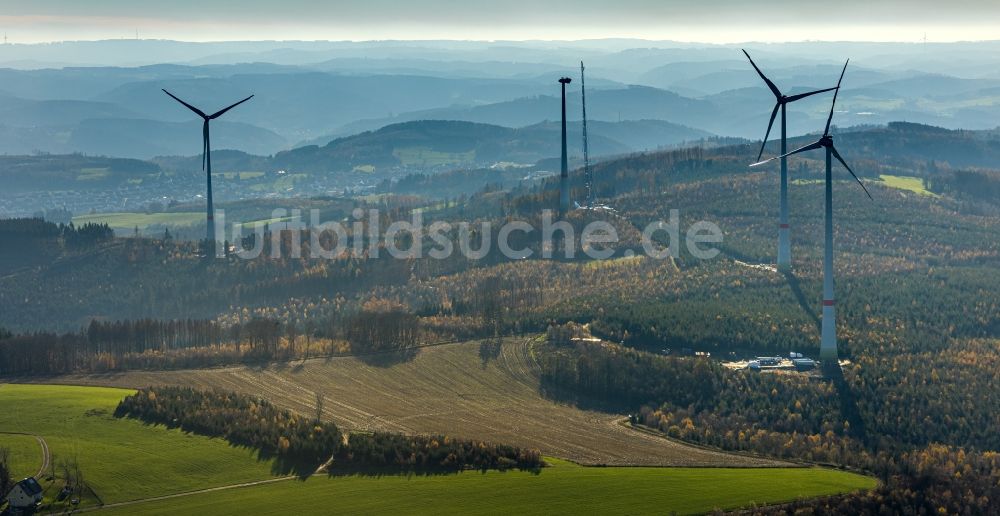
(450, 144)
(131, 278)
(903, 142)
(436, 146)
(69, 172)
(428, 143)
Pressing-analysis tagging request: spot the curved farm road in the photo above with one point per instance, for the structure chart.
(46, 454)
(447, 389)
(186, 493)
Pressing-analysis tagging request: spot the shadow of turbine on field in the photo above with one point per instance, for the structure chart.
(285, 466)
(848, 402)
(800, 296)
(391, 471)
(490, 349)
(279, 465)
(389, 358)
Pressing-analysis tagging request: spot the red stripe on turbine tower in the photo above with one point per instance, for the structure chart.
(828, 330)
(781, 102)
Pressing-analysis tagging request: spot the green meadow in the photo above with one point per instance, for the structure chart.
(907, 183)
(422, 156)
(128, 220)
(562, 488)
(25, 455)
(242, 176)
(121, 459)
(125, 460)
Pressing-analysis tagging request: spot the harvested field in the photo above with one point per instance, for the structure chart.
(446, 389)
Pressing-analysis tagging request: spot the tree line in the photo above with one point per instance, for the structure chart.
(190, 343)
(241, 420)
(256, 423)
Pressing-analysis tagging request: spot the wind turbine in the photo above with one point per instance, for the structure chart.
(564, 171)
(206, 156)
(587, 172)
(828, 344)
(781, 101)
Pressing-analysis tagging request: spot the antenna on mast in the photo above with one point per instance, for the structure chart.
(587, 173)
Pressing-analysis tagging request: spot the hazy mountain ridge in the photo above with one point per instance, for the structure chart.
(311, 92)
(466, 143)
(437, 145)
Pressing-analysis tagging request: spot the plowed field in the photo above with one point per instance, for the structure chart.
(446, 389)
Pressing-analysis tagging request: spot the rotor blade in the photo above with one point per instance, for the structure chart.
(834, 103)
(768, 133)
(219, 113)
(204, 144)
(774, 89)
(844, 163)
(809, 147)
(189, 106)
(793, 98)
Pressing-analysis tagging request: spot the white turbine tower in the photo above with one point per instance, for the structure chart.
(828, 344)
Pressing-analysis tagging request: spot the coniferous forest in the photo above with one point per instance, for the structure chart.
(915, 402)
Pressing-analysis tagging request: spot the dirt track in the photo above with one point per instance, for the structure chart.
(446, 389)
(46, 454)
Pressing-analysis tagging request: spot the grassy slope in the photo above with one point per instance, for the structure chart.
(126, 460)
(562, 489)
(907, 183)
(25, 455)
(131, 220)
(121, 459)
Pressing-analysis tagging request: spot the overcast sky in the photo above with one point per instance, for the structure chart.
(720, 21)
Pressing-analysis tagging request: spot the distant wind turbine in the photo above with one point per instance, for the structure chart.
(564, 171)
(828, 344)
(781, 101)
(206, 156)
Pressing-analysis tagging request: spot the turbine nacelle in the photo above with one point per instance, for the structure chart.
(825, 141)
(201, 113)
(206, 118)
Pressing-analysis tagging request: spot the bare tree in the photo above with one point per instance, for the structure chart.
(310, 331)
(5, 482)
(78, 476)
(319, 406)
(66, 471)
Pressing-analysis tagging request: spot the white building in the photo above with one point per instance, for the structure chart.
(25, 494)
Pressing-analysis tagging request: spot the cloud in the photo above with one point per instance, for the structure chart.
(707, 20)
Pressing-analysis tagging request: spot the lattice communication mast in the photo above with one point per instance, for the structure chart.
(587, 173)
